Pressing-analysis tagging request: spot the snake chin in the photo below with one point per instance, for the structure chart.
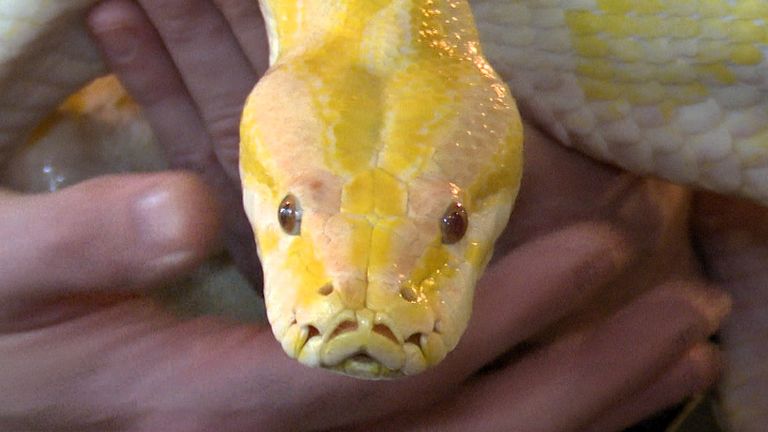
(360, 343)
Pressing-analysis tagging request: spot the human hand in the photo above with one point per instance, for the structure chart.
(612, 342)
(74, 256)
(83, 350)
(183, 63)
(732, 235)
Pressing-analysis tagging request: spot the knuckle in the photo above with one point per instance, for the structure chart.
(223, 125)
(712, 306)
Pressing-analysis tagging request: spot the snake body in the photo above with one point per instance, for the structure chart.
(379, 119)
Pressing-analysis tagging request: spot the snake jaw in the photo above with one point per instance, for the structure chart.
(389, 337)
(362, 345)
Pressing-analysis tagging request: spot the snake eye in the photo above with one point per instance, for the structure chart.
(454, 223)
(289, 215)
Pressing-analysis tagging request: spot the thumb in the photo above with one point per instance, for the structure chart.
(117, 233)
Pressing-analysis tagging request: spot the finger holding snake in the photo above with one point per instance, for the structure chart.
(164, 374)
(177, 89)
(602, 379)
(591, 345)
(115, 236)
(733, 238)
(569, 199)
(131, 366)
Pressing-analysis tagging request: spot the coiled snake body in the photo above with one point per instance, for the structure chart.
(381, 154)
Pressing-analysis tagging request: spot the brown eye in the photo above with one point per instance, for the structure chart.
(454, 223)
(289, 215)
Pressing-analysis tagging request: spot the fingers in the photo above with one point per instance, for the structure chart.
(136, 54)
(181, 110)
(524, 291)
(533, 287)
(733, 239)
(581, 375)
(694, 373)
(733, 235)
(175, 52)
(248, 25)
(648, 210)
(206, 52)
(110, 234)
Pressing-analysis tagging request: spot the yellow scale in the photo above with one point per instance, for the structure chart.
(407, 119)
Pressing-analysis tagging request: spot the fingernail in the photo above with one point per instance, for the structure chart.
(161, 226)
(716, 305)
(114, 35)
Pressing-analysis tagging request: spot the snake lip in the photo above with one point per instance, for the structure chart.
(364, 343)
(361, 344)
(359, 349)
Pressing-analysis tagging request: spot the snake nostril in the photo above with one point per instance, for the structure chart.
(326, 289)
(344, 327)
(385, 331)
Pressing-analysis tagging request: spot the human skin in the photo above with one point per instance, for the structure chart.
(594, 290)
(732, 236)
(100, 358)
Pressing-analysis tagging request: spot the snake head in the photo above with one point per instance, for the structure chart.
(376, 188)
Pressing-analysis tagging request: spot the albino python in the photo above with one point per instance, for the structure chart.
(381, 154)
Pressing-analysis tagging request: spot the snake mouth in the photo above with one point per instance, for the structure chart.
(360, 348)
